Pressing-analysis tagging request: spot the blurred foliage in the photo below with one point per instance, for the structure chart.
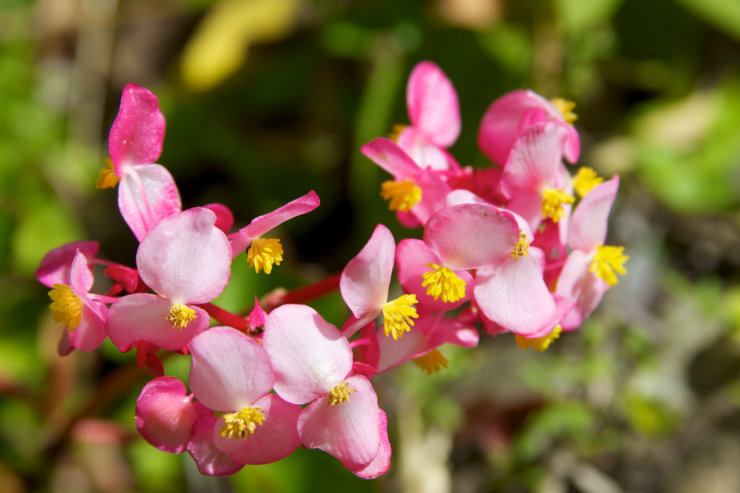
(266, 99)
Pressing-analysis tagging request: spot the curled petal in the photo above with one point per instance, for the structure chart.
(224, 216)
(56, 264)
(210, 460)
(382, 461)
(389, 156)
(146, 195)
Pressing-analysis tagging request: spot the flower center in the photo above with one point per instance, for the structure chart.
(565, 107)
(538, 343)
(521, 248)
(552, 203)
(403, 195)
(242, 423)
(180, 316)
(108, 177)
(263, 253)
(607, 261)
(340, 394)
(66, 306)
(585, 179)
(397, 315)
(441, 281)
(432, 362)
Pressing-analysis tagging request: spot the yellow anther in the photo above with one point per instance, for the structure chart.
(340, 394)
(403, 195)
(432, 362)
(396, 131)
(397, 315)
(521, 248)
(585, 179)
(607, 261)
(441, 281)
(242, 423)
(538, 343)
(565, 107)
(66, 306)
(108, 178)
(180, 316)
(552, 203)
(263, 253)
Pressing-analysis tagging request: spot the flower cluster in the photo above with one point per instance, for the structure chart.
(518, 248)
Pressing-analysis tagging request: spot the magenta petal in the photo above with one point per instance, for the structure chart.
(275, 439)
(588, 224)
(389, 156)
(432, 104)
(137, 133)
(146, 195)
(143, 317)
(365, 280)
(186, 258)
(224, 216)
(308, 354)
(228, 370)
(349, 430)
(515, 296)
(470, 236)
(165, 414)
(382, 461)
(56, 264)
(210, 460)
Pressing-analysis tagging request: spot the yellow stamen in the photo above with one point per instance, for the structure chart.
(397, 315)
(565, 107)
(432, 362)
(552, 203)
(66, 307)
(521, 248)
(263, 253)
(607, 260)
(180, 316)
(242, 423)
(538, 343)
(403, 194)
(396, 131)
(441, 281)
(585, 179)
(340, 394)
(108, 178)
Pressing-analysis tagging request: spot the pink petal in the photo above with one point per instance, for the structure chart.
(389, 156)
(434, 190)
(80, 275)
(308, 354)
(91, 332)
(589, 222)
(143, 317)
(349, 430)
(578, 285)
(514, 296)
(138, 131)
(228, 370)
(382, 461)
(470, 236)
(165, 414)
(396, 352)
(423, 152)
(210, 460)
(56, 264)
(146, 195)
(275, 439)
(224, 216)
(432, 104)
(186, 258)
(365, 280)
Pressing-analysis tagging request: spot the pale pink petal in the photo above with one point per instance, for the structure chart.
(146, 195)
(432, 104)
(423, 152)
(349, 430)
(80, 275)
(470, 236)
(434, 190)
(186, 258)
(56, 264)
(394, 352)
(91, 332)
(589, 222)
(143, 317)
(308, 354)
(389, 156)
(578, 285)
(165, 414)
(515, 296)
(137, 133)
(365, 279)
(210, 460)
(382, 461)
(228, 370)
(275, 439)
(224, 216)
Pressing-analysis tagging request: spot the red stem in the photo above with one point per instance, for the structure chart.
(226, 317)
(313, 291)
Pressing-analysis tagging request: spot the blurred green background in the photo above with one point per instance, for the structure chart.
(267, 99)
